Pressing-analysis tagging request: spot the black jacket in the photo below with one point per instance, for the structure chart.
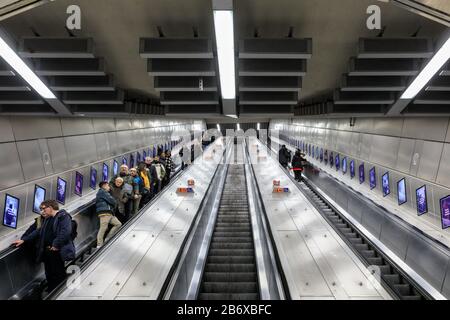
(284, 156)
(297, 161)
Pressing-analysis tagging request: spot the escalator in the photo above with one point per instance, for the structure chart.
(230, 272)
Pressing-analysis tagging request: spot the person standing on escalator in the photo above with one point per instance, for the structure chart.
(284, 156)
(297, 165)
(54, 241)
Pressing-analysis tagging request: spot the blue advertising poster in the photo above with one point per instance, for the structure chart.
(131, 160)
(154, 152)
(361, 173)
(401, 191)
(61, 185)
(344, 165)
(331, 159)
(78, 190)
(445, 212)
(421, 200)
(11, 211)
(317, 153)
(93, 179)
(312, 153)
(138, 157)
(337, 162)
(372, 178)
(115, 168)
(144, 154)
(325, 157)
(124, 161)
(309, 150)
(352, 169)
(39, 196)
(385, 184)
(105, 172)
(321, 154)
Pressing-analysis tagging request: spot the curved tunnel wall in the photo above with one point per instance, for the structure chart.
(36, 150)
(417, 149)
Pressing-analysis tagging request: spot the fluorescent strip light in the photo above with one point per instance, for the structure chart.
(258, 126)
(238, 126)
(25, 72)
(223, 25)
(218, 127)
(428, 72)
(231, 116)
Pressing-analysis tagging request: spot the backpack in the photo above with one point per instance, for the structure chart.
(74, 224)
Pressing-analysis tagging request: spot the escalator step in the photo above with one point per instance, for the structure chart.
(229, 287)
(346, 230)
(231, 259)
(341, 225)
(228, 296)
(231, 252)
(232, 239)
(377, 261)
(385, 269)
(226, 277)
(392, 278)
(361, 246)
(231, 224)
(411, 298)
(232, 234)
(356, 240)
(402, 289)
(350, 235)
(227, 245)
(236, 229)
(230, 267)
(368, 253)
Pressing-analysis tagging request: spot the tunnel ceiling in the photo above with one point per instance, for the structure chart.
(306, 58)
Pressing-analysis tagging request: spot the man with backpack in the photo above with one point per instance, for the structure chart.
(53, 236)
(157, 174)
(105, 205)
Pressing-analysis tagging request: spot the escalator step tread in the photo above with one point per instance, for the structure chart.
(227, 245)
(229, 287)
(230, 276)
(231, 259)
(228, 296)
(231, 252)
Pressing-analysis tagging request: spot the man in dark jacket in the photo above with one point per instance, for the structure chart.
(54, 242)
(168, 166)
(284, 156)
(104, 206)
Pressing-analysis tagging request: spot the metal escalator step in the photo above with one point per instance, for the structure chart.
(361, 246)
(350, 235)
(226, 276)
(232, 234)
(341, 225)
(411, 298)
(385, 269)
(346, 230)
(228, 296)
(232, 239)
(402, 289)
(230, 224)
(227, 245)
(231, 259)
(356, 240)
(377, 261)
(392, 278)
(368, 253)
(241, 228)
(231, 252)
(229, 287)
(229, 267)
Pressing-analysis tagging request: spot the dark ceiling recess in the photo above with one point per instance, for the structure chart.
(377, 77)
(184, 70)
(69, 67)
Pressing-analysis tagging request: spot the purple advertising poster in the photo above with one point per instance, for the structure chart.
(78, 183)
(105, 172)
(361, 173)
(372, 178)
(321, 154)
(445, 212)
(385, 184)
(331, 159)
(352, 169)
(344, 165)
(337, 162)
(421, 200)
(61, 190)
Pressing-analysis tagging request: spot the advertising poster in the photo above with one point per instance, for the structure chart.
(78, 184)
(344, 165)
(61, 190)
(372, 178)
(445, 212)
(93, 178)
(39, 196)
(105, 172)
(337, 162)
(361, 173)
(115, 168)
(385, 184)
(421, 200)
(321, 154)
(11, 211)
(401, 191)
(352, 169)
